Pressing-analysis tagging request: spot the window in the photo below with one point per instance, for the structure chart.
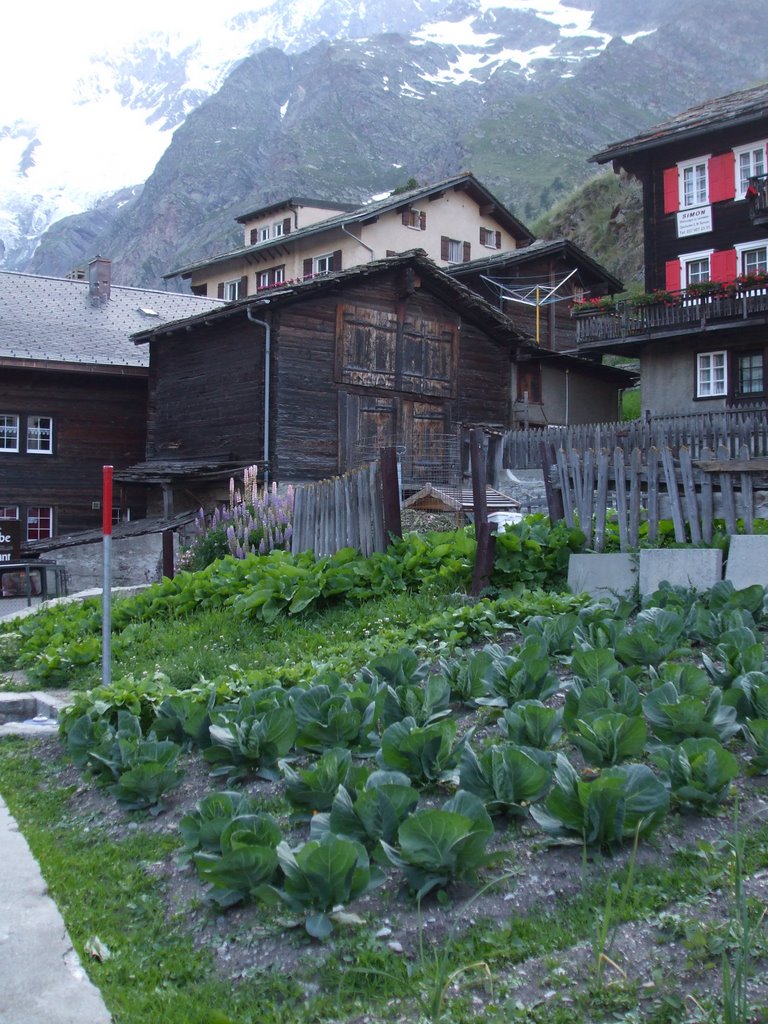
(9, 433)
(749, 163)
(697, 271)
(753, 260)
(453, 251)
(694, 186)
(416, 219)
(711, 379)
(749, 373)
(9, 513)
(322, 264)
(39, 522)
(490, 238)
(231, 290)
(263, 234)
(40, 435)
(529, 383)
(278, 229)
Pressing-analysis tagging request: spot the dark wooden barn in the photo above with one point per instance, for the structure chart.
(394, 351)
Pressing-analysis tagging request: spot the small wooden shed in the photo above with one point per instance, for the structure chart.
(311, 381)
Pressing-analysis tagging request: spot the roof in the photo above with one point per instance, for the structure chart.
(317, 204)
(541, 248)
(51, 320)
(465, 300)
(618, 375)
(371, 211)
(724, 112)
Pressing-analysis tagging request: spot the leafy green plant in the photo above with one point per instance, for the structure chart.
(530, 723)
(202, 827)
(756, 732)
(152, 773)
(699, 772)
(246, 861)
(323, 874)
(606, 737)
(312, 789)
(655, 637)
(675, 716)
(425, 703)
(470, 677)
(377, 811)
(439, 846)
(602, 810)
(247, 740)
(331, 713)
(507, 778)
(533, 553)
(522, 674)
(428, 753)
(620, 695)
(739, 652)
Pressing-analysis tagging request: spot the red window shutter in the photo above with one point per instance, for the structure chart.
(722, 266)
(243, 287)
(671, 192)
(287, 226)
(423, 221)
(498, 239)
(673, 275)
(254, 236)
(406, 218)
(337, 260)
(443, 247)
(307, 268)
(721, 178)
(220, 290)
(467, 251)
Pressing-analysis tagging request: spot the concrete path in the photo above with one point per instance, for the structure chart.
(41, 979)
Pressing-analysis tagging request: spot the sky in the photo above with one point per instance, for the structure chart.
(44, 50)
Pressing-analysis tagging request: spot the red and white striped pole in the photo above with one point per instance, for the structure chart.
(106, 594)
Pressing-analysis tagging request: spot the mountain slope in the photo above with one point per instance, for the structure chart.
(516, 102)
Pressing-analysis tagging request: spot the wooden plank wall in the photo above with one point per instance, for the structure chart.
(345, 511)
(645, 486)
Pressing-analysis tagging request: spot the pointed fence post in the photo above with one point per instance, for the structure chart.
(486, 542)
(390, 486)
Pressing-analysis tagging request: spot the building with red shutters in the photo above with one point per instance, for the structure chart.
(701, 327)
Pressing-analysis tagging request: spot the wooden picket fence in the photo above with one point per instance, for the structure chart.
(345, 511)
(735, 428)
(648, 485)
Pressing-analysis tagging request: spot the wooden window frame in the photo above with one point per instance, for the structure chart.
(692, 165)
(44, 514)
(709, 357)
(737, 373)
(742, 180)
(39, 450)
(7, 430)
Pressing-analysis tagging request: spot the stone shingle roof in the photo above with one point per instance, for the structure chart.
(723, 112)
(53, 320)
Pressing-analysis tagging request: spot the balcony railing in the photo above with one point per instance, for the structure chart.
(757, 197)
(627, 320)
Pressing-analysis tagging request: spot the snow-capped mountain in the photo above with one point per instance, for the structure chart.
(105, 128)
(342, 100)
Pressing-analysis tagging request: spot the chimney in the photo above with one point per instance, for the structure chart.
(99, 280)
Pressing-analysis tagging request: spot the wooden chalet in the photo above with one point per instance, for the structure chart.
(73, 396)
(313, 380)
(701, 328)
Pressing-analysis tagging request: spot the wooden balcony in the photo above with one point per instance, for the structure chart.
(628, 322)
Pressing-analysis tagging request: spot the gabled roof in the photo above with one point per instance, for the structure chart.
(287, 204)
(467, 302)
(370, 212)
(541, 248)
(51, 321)
(737, 108)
